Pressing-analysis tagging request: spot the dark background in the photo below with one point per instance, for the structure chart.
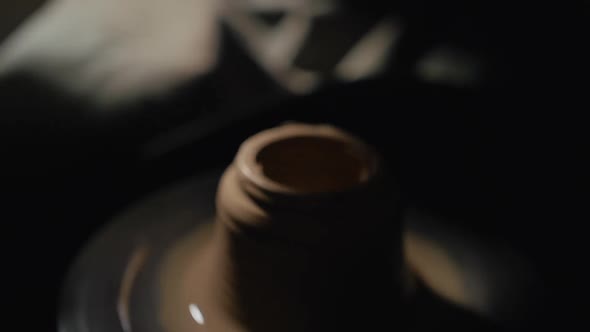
(502, 159)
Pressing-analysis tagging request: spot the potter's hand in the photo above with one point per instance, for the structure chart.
(111, 51)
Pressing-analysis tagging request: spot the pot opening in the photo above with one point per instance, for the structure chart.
(310, 164)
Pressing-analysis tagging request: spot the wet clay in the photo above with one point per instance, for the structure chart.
(306, 238)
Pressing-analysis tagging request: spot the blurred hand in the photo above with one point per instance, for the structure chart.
(113, 52)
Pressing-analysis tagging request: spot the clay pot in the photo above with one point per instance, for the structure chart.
(306, 238)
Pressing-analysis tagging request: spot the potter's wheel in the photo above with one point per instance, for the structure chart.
(113, 284)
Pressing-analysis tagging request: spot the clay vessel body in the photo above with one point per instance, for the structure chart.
(306, 238)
